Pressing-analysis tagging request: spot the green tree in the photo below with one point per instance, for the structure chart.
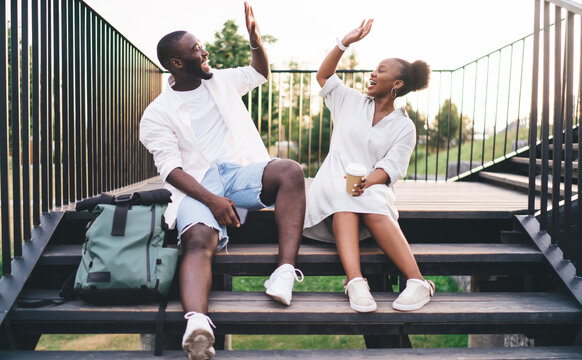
(230, 49)
(446, 127)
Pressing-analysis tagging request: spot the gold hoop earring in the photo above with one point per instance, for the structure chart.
(393, 93)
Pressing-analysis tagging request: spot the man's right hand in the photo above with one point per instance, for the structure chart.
(223, 210)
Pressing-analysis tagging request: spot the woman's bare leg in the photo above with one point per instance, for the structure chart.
(392, 241)
(345, 231)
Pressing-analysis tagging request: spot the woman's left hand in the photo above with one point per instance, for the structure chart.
(358, 189)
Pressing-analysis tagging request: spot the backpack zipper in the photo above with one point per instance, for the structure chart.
(153, 227)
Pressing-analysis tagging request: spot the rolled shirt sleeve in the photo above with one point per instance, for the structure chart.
(336, 93)
(244, 78)
(161, 141)
(395, 162)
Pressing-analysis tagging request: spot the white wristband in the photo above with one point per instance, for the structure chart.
(340, 45)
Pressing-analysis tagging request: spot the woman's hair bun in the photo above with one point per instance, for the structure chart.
(420, 75)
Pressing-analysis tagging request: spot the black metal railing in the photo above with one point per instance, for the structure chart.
(558, 110)
(468, 117)
(73, 90)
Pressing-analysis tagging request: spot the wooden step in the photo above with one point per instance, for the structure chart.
(311, 312)
(518, 182)
(322, 259)
(532, 353)
(524, 162)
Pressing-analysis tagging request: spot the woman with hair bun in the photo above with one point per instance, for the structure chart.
(373, 137)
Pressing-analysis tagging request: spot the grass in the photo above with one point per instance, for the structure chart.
(264, 342)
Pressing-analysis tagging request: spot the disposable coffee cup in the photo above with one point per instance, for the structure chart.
(354, 174)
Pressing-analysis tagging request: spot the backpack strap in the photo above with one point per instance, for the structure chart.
(160, 318)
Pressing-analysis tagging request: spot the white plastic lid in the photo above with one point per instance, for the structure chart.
(356, 169)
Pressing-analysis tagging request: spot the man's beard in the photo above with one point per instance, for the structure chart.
(196, 70)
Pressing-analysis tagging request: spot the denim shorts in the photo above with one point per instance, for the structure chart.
(241, 184)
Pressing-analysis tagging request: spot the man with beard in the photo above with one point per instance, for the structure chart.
(212, 158)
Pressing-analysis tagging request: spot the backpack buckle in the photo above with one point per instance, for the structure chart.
(123, 198)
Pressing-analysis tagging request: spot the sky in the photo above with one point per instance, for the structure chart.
(445, 33)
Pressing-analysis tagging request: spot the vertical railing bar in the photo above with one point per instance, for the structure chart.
(427, 131)
(126, 120)
(579, 190)
(558, 125)
(485, 113)
(116, 167)
(65, 102)
(300, 116)
(545, 119)
(39, 81)
(259, 108)
(34, 115)
(250, 103)
(79, 123)
(310, 126)
(416, 142)
(83, 93)
(461, 123)
(280, 118)
(473, 120)
(508, 101)
(90, 105)
(270, 112)
(290, 120)
(496, 106)
(25, 116)
(438, 134)
(449, 125)
(15, 121)
(97, 96)
(49, 93)
(569, 90)
(4, 151)
(110, 76)
(519, 97)
(533, 119)
(57, 105)
(102, 58)
(71, 102)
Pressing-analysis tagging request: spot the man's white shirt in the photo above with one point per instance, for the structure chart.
(209, 128)
(166, 129)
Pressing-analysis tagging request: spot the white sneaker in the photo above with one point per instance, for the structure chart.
(415, 296)
(198, 337)
(359, 293)
(280, 284)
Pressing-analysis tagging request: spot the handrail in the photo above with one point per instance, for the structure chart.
(75, 105)
(559, 220)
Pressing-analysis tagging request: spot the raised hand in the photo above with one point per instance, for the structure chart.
(358, 33)
(252, 27)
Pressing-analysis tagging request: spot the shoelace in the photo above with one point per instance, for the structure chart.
(190, 314)
(295, 272)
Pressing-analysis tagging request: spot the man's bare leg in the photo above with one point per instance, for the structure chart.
(284, 185)
(198, 245)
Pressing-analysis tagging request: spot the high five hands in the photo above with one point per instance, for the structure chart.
(252, 27)
(358, 33)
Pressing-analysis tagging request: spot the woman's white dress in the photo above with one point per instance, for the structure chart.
(387, 145)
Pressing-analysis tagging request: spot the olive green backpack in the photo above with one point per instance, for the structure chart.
(125, 259)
